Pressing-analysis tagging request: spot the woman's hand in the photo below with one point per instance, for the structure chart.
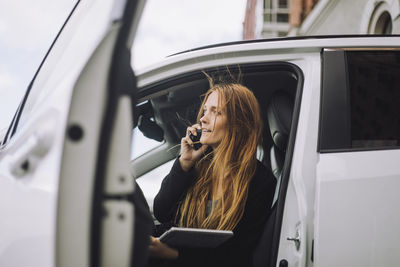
(160, 250)
(188, 155)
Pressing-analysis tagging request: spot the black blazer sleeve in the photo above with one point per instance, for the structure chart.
(173, 189)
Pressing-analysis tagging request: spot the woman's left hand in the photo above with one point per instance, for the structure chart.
(160, 250)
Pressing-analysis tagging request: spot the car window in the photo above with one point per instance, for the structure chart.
(374, 82)
(141, 144)
(360, 100)
(30, 27)
(150, 182)
(178, 108)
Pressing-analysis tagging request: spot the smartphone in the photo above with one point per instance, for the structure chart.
(196, 139)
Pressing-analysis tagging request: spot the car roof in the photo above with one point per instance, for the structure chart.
(329, 38)
(233, 52)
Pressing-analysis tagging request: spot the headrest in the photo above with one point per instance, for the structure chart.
(279, 114)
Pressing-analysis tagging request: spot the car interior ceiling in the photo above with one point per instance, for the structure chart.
(166, 116)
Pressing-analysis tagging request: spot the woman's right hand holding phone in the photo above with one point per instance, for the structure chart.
(189, 155)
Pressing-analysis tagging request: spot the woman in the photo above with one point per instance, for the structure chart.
(221, 185)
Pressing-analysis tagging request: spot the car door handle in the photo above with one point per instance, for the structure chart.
(26, 157)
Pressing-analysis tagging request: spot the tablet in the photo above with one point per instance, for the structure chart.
(194, 237)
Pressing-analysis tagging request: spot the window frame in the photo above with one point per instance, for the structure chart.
(152, 89)
(274, 10)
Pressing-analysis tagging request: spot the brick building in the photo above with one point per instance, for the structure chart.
(274, 18)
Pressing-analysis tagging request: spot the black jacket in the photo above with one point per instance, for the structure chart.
(238, 250)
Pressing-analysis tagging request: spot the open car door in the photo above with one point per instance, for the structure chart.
(65, 159)
(98, 213)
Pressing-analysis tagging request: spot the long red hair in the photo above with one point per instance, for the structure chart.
(234, 160)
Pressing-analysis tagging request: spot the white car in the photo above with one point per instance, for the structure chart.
(332, 124)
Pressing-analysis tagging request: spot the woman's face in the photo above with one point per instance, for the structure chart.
(213, 122)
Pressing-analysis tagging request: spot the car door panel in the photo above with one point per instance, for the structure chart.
(358, 173)
(298, 198)
(28, 176)
(34, 168)
(96, 160)
(356, 199)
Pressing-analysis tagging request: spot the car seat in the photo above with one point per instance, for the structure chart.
(279, 114)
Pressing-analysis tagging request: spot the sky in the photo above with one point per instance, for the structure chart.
(28, 27)
(187, 24)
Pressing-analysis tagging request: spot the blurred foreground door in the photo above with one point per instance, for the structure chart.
(64, 163)
(96, 214)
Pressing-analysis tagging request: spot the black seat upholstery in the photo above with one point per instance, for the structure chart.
(279, 114)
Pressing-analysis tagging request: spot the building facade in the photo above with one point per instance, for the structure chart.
(279, 18)
(274, 18)
(352, 17)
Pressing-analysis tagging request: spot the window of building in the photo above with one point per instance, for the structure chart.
(283, 3)
(267, 4)
(276, 17)
(282, 17)
(381, 19)
(276, 9)
(384, 24)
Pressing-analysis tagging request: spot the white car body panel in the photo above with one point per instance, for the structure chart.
(298, 211)
(361, 189)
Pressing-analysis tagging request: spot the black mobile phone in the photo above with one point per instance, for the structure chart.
(196, 139)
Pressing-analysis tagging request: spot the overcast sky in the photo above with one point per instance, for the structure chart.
(172, 26)
(28, 27)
